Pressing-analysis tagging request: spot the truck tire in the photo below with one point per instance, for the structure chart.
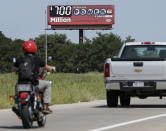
(112, 98)
(124, 99)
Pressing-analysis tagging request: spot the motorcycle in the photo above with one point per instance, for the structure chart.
(30, 105)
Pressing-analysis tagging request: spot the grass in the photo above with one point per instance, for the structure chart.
(66, 88)
(7, 84)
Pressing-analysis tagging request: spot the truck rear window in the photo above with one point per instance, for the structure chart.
(144, 52)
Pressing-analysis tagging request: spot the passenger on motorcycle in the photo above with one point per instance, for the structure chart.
(29, 49)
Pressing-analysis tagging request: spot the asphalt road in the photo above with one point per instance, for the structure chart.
(143, 115)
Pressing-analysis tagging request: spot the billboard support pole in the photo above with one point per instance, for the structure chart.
(81, 36)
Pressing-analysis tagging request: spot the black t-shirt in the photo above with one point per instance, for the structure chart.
(37, 61)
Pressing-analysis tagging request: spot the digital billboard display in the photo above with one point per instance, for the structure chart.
(81, 15)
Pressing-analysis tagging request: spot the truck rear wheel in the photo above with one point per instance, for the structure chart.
(112, 98)
(124, 99)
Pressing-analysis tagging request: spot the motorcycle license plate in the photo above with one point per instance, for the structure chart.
(138, 84)
(24, 87)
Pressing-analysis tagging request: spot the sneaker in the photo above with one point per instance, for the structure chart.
(47, 110)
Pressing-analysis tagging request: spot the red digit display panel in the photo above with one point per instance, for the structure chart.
(81, 15)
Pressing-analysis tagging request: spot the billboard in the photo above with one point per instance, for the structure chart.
(77, 16)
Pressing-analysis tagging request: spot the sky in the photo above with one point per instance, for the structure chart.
(144, 20)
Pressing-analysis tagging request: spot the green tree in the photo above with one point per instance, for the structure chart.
(66, 56)
(129, 39)
(82, 60)
(104, 46)
(5, 55)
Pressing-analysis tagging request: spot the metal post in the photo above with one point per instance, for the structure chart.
(46, 47)
(81, 34)
(46, 26)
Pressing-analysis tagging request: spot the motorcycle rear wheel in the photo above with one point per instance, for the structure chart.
(26, 116)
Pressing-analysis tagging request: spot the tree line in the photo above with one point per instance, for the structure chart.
(66, 55)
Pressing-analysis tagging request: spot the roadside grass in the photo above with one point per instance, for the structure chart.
(7, 84)
(66, 88)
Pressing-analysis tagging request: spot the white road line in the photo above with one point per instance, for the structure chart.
(129, 122)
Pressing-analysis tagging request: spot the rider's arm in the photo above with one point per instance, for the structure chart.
(49, 68)
(16, 64)
(46, 67)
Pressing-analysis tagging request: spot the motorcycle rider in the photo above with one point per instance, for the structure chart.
(29, 49)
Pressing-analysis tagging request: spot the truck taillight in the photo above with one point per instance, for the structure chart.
(148, 43)
(107, 70)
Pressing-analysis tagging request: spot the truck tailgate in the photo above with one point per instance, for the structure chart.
(138, 70)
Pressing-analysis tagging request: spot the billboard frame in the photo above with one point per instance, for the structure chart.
(81, 27)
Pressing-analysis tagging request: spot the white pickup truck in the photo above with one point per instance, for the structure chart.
(139, 70)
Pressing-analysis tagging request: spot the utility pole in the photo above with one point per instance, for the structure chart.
(46, 26)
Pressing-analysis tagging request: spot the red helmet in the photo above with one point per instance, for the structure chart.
(29, 46)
